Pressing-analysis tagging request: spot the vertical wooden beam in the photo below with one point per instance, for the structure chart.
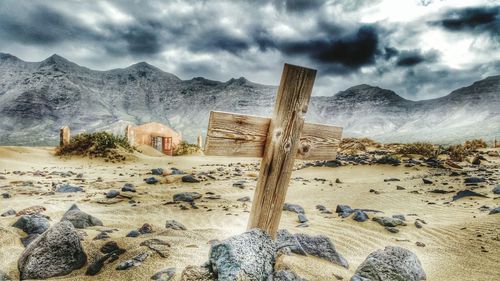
(64, 135)
(281, 147)
(200, 141)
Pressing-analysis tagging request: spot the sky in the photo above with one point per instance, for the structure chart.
(420, 49)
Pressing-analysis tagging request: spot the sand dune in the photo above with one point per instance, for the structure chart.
(461, 242)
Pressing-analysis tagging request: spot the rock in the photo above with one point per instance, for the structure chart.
(398, 187)
(473, 180)
(248, 256)
(187, 196)
(360, 216)
(287, 243)
(322, 247)
(387, 221)
(391, 229)
(151, 180)
(286, 275)
(80, 219)
(495, 211)
(110, 247)
(293, 208)
(133, 233)
(32, 224)
(419, 244)
(390, 160)
(145, 229)
(399, 217)
(28, 239)
(164, 275)
(101, 236)
(157, 171)
(476, 161)
(159, 246)
(128, 187)
(6, 195)
(467, 193)
(56, 252)
(244, 199)
(302, 218)
(9, 212)
(111, 251)
(4, 276)
(135, 261)
(240, 184)
(197, 273)
(31, 210)
(175, 171)
(112, 194)
(344, 210)
(418, 224)
(391, 179)
(189, 178)
(496, 189)
(66, 187)
(391, 264)
(173, 224)
(427, 181)
(96, 265)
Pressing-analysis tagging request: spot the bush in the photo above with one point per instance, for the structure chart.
(475, 144)
(457, 152)
(421, 148)
(185, 148)
(99, 144)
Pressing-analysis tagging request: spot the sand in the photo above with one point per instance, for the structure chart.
(462, 242)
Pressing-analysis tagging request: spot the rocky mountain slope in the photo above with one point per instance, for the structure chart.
(36, 98)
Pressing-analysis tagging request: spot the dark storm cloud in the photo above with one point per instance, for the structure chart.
(299, 5)
(476, 19)
(141, 38)
(38, 24)
(414, 57)
(349, 51)
(219, 40)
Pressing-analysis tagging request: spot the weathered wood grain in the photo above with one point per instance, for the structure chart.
(281, 147)
(231, 134)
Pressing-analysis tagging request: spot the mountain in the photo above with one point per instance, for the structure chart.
(37, 98)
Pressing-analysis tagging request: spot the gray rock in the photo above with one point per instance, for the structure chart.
(6, 195)
(151, 180)
(135, 261)
(360, 216)
(134, 233)
(302, 218)
(112, 194)
(32, 224)
(391, 229)
(496, 189)
(29, 238)
(467, 193)
(427, 181)
(4, 276)
(285, 275)
(344, 210)
(186, 196)
(197, 273)
(189, 178)
(293, 208)
(399, 217)
(159, 246)
(173, 224)
(164, 275)
(145, 229)
(287, 243)
(80, 219)
(244, 199)
(495, 211)
(56, 252)
(66, 187)
(473, 180)
(9, 212)
(240, 184)
(390, 264)
(387, 221)
(157, 171)
(322, 247)
(248, 256)
(128, 187)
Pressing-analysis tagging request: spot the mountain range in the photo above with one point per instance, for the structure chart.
(37, 98)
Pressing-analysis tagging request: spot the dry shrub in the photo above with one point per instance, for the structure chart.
(475, 144)
(421, 148)
(185, 148)
(458, 152)
(354, 145)
(99, 144)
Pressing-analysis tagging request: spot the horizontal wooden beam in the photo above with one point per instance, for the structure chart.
(232, 134)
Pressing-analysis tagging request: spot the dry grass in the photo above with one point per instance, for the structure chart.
(99, 144)
(420, 148)
(473, 145)
(185, 148)
(356, 145)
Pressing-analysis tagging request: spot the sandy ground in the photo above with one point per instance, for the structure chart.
(462, 242)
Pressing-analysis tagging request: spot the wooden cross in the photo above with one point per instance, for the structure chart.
(278, 140)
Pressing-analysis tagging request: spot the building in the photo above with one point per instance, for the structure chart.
(159, 136)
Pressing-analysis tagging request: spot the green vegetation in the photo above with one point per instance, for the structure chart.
(185, 148)
(98, 144)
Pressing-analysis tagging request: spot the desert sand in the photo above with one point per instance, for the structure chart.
(461, 241)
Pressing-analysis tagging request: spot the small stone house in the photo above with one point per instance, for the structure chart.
(157, 135)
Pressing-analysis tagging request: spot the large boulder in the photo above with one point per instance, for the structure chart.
(390, 264)
(80, 219)
(249, 256)
(32, 224)
(56, 252)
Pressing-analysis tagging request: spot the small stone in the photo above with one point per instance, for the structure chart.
(164, 275)
(302, 218)
(186, 196)
(159, 246)
(360, 216)
(472, 180)
(145, 229)
(387, 221)
(392, 229)
(399, 217)
(151, 180)
(32, 224)
(240, 184)
(427, 181)
(173, 224)
(467, 193)
(197, 273)
(293, 208)
(495, 211)
(244, 199)
(128, 187)
(112, 194)
(135, 261)
(133, 233)
(9, 212)
(189, 178)
(6, 195)
(66, 188)
(418, 224)
(419, 244)
(398, 187)
(101, 236)
(344, 210)
(157, 171)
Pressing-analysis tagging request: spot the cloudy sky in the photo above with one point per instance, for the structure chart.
(418, 48)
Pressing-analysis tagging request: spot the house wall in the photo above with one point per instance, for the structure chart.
(142, 134)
